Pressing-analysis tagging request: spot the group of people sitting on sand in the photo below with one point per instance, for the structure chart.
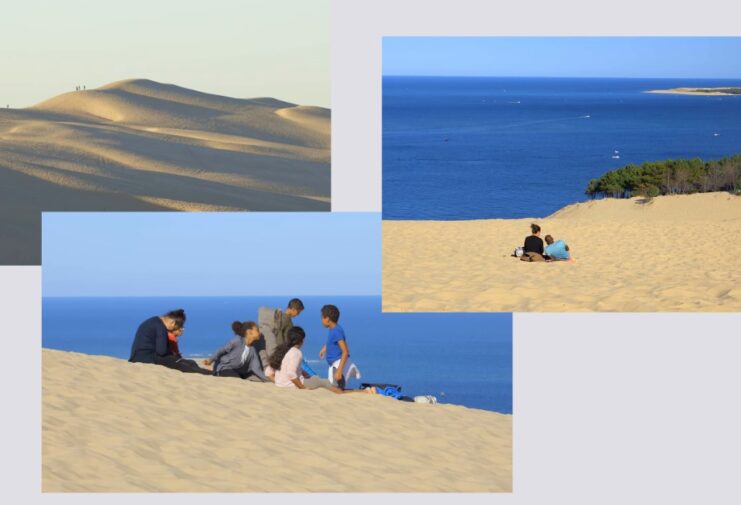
(266, 351)
(534, 250)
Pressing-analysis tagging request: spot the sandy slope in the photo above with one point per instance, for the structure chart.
(142, 145)
(110, 425)
(676, 253)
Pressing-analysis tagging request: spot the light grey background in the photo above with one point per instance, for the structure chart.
(609, 408)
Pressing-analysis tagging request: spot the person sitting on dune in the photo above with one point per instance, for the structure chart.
(151, 343)
(286, 367)
(286, 362)
(239, 357)
(558, 250)
(172, 343)
(533, 248)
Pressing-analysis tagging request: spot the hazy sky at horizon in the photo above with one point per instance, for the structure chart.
(670, 57)
(237, 48)
(210, 254)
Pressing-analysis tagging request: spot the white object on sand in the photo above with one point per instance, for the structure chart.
(351, 371)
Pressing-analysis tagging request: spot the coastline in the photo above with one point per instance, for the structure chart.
(694, 91)
(630, 257)
(113, 426)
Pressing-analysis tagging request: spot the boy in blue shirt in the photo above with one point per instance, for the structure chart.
(557, 250)
(335, 350)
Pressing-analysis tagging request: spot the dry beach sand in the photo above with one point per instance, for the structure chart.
(674, 253)
(139, 145)
(110, 425)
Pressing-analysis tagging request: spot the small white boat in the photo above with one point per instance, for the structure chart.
(716, 134)
(616, 155)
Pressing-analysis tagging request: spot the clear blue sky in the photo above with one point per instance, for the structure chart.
(675, 57)
(238, 48)
(211, 254)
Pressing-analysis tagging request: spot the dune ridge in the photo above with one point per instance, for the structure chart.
(113, 426)
(142, 145)
(672, 253)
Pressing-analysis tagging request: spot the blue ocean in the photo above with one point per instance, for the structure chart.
(477, 148)
(464, 359)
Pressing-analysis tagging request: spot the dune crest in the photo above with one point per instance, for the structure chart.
(667, 254)
(138, 144)
(310, 117)
(693, 207)
(113, 426)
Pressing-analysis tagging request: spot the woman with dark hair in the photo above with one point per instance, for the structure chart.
(286, 365)
(286, 361)
(533, 248)
(151, 343)
(239, 357)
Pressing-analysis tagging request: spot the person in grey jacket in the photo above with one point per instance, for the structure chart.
(238, 357)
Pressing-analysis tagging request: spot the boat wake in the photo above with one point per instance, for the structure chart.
(543, 121)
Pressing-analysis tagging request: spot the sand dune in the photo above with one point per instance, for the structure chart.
(110, 425)
(143, 145)
(676, 253)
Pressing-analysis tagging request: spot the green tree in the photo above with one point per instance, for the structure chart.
(669, 177)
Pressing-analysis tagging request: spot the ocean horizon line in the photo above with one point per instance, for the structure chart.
(43, 297)
(560, 77)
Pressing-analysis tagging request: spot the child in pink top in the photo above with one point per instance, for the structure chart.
(290, 370)
(286, 361)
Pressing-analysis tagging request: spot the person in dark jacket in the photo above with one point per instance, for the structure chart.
(533, 249)
(151, 344)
